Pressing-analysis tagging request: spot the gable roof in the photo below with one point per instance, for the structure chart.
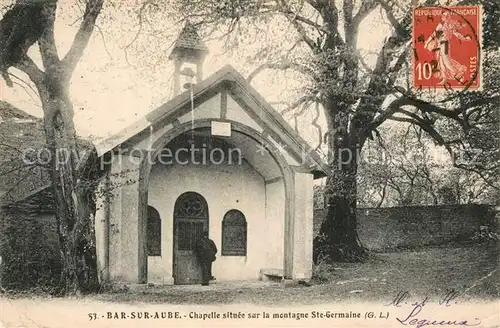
(238, 85)
(10, 112)
(40, 200)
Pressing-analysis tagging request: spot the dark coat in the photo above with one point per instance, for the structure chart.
(205, 249)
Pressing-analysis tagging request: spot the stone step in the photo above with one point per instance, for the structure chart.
(270, 274)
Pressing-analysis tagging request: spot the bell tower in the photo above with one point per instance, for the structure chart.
(188, 54)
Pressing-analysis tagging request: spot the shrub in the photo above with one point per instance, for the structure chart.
(322, 272)
(485, 234)
(30, 256)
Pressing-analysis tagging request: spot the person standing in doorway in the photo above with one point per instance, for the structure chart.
(205, 251)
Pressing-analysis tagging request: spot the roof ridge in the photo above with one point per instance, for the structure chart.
(226, 73)
(9, 111)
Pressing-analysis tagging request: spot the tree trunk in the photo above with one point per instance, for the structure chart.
(339, 241)
(73, 179)
(338, 238)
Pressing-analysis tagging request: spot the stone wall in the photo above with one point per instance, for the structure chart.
(414, 226)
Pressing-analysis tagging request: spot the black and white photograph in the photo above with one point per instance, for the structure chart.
(260, 163)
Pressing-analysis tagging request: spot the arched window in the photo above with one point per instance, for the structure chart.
(154, 232)
(234, 234)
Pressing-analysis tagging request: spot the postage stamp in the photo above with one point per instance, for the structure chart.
(447, 48)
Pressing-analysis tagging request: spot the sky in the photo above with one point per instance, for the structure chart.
(114, 85)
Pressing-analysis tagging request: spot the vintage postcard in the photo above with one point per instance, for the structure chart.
(220, 163)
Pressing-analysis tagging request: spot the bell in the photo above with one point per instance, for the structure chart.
(189, 74)
(187, 71)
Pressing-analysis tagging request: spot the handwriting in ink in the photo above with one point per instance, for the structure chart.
(412, 320)
(399, 299)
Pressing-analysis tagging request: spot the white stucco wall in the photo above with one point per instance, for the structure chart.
(224, 188)
(208, 109)
(238, 114)
(303, 226)
(123, 220)
(275, 221)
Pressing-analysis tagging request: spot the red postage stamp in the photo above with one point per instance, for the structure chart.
(447, 48)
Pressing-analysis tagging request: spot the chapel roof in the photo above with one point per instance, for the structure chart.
(230, 79)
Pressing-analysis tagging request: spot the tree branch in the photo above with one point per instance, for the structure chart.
(291, 17)
(19, 181)
(284, 65)
(25, 86)
(317, 126)
(82, 37)
(297, 103)
(314, 4)
(367, 6)
(378, 87)
(28, 66)
(47, 43)
(427, 128)
(394, 71)
(390, 16)
(383, 116)
(140, 17)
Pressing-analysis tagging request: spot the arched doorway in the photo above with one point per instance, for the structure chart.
(190, 220)
(238, 129)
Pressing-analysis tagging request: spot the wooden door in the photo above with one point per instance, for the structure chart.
(190, 220)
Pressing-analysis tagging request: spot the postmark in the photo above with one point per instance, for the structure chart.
(447, 48)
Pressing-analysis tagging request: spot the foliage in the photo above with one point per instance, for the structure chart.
(316, 39)
(30, 253)
(108, 287)
(322, 272)
(319, 197)
(319, 51)
(485, 234)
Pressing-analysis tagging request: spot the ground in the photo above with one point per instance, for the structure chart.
(433, 271)
(471, 270)
(430, 272)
